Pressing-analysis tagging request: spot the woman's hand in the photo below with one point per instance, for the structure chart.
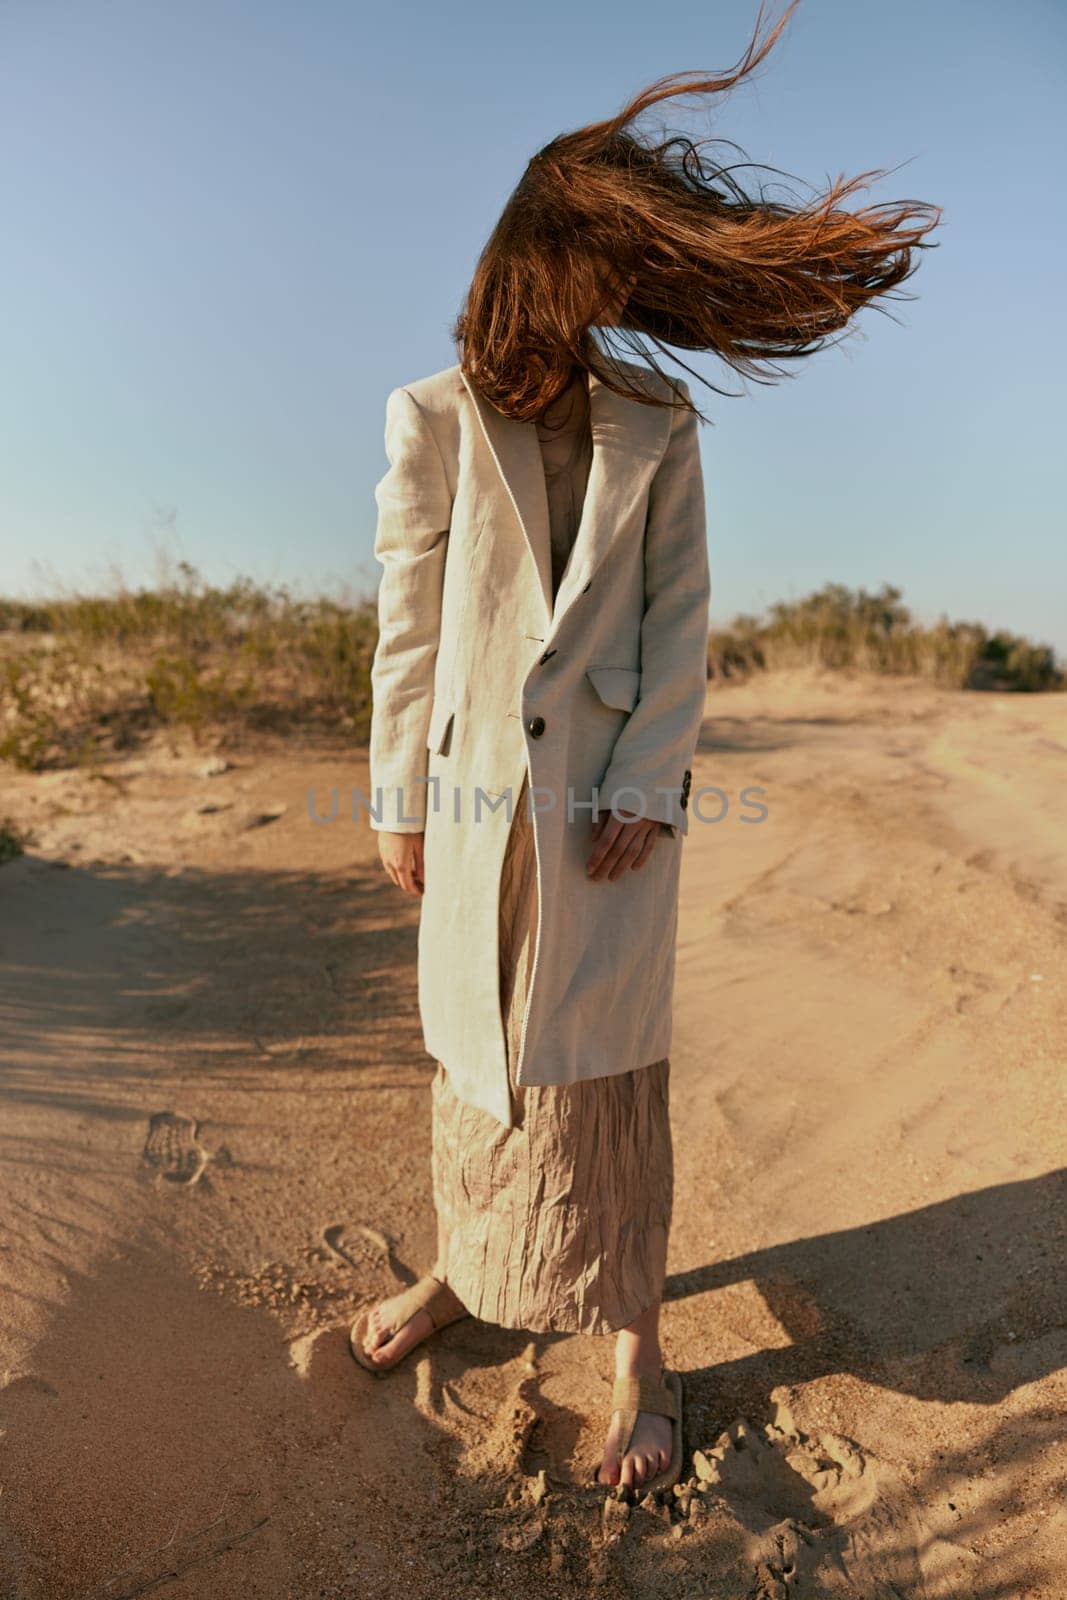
(401, 855)
(618, 845)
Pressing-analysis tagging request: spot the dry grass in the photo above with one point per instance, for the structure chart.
(85, 676)
(844, 629)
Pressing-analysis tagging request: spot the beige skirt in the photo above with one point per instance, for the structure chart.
(558, 1224)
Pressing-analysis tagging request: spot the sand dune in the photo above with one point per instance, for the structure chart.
(214, 1149)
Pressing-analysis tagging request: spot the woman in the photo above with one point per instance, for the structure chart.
(539, 687)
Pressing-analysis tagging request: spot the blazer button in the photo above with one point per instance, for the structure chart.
(536, 726)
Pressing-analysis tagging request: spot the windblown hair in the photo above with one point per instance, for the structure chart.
(709, 267)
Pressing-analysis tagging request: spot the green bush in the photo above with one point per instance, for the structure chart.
(843, 629)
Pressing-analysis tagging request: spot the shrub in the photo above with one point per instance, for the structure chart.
(844, 629)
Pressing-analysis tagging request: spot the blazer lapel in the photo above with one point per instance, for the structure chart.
(515, 450)
(628, 442)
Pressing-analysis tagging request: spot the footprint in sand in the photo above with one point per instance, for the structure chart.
(363, 1248)
(173, 1149)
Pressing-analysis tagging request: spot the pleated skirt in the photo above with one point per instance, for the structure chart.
(558, 1224)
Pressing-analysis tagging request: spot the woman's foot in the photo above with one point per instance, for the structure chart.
(638, 1355)
(386, 1349)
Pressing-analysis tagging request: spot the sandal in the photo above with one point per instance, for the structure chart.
(429, 1294)
(662, 1397)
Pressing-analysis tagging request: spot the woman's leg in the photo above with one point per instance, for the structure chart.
(517, 918)
(384, 1350)
(638, 1355)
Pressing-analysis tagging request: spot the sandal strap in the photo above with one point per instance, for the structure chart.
(432, 1296)
(631, 1395)
(644, 1394)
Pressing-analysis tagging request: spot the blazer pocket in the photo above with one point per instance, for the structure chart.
(440, 729)
(617, 686)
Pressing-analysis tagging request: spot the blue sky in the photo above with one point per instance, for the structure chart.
(231, 228)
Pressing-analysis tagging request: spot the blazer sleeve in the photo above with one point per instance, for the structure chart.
(654, 752)
(414, 513)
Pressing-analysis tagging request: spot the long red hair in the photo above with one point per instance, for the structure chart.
(707, 266)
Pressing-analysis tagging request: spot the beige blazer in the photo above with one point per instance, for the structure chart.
(478, 679)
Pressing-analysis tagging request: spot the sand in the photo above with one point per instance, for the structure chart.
(214, 1149)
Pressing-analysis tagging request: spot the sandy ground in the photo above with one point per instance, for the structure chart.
(214, 1149)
